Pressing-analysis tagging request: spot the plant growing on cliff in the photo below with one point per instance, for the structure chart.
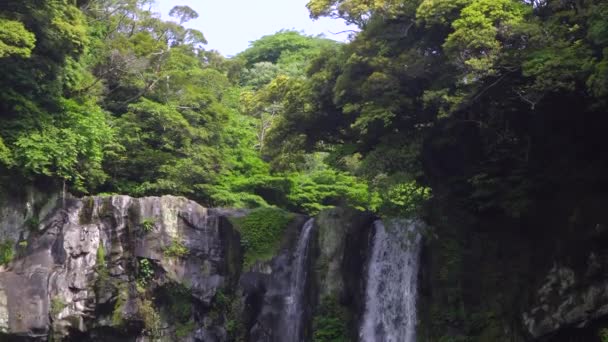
(149, 316)
(7, 252)
(148, 225)
(176, 249)
(604, 335)
(145, 272)
(261, 231)
(32, 223)
(57, 305)
(119, 305)
(329, 322)
(176, 299)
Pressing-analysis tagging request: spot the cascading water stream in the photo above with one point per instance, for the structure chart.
(297, 285)
(390, 303)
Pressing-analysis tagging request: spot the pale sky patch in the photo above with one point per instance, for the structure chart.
(230, 25)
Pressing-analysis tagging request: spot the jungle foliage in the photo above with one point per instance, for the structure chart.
(495, 98)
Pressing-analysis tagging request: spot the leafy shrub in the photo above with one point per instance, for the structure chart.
(321, 189)
(261, 231)
(176, 249)
(148, 225)
(402, 198)
(145, 272)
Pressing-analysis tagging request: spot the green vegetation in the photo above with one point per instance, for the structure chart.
(176, 249)
(487, 106)
(57, 305)
(119, 306)
(100, 256)
(176, 300)
(148, 225)
(145, 272)
(32, 223)
(149, 316)
(108, 105)
(103, 282)
(7, 252)
(604, 335)
(226, 310)
(261, 231)
(330, 322)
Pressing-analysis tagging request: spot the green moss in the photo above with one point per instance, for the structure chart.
(176, 249)
(330, 322)
(7, 252)
(261, 233)
(117, 314)
(101, 256)
(57, 305)
(103, 283)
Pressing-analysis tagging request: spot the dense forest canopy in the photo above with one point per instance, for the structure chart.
(104, 96)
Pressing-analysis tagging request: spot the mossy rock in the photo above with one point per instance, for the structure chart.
(261, 233)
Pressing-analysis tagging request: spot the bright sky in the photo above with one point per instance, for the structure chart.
(229, 25)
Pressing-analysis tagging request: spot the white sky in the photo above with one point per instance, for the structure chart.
(229, 25)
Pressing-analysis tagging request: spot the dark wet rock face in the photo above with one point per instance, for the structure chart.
(266, 289)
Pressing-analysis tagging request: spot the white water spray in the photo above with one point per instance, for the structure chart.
(390, 303)
(294, 308)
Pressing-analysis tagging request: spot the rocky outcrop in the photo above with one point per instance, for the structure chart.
(344, 241)
(265, 286)
(167, 269)
(566, 299)
(103, 266)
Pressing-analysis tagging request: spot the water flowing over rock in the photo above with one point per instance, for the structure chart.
(299, 276)
(278, 290)
(390, 305)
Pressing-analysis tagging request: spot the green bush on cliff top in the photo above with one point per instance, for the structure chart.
(261, 233)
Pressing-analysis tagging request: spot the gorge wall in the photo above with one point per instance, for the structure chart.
(165, 268)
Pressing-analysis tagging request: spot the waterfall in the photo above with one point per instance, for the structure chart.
(390, 303)
(294, 308)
